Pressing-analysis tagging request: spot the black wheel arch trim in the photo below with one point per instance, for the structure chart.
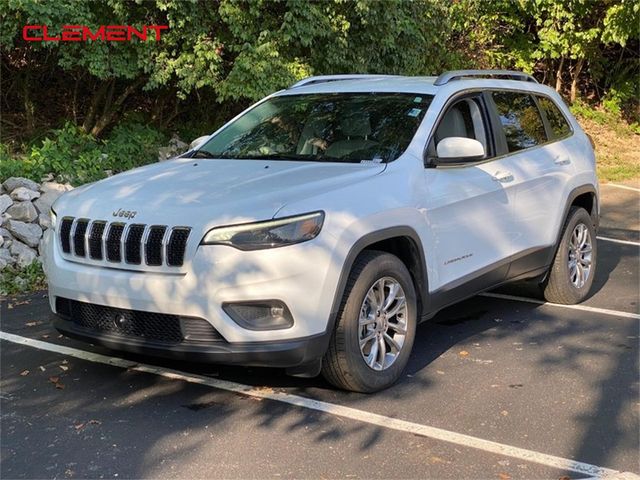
(594, 213)
(420, 276)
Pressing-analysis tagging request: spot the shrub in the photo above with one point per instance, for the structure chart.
(14, 279)
(76, 157)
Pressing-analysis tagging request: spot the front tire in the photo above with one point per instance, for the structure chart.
(375, 327)
(574, 266)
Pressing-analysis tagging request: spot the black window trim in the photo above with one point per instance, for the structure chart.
(551, 138)
(496, 127)
(490, 131)
(551, 134)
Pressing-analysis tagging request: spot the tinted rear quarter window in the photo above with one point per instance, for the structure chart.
(520, 119)
(557, 120)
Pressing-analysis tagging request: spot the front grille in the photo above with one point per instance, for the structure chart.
(177, 245)
(78, 236)
(95, 240)
(150, 326)
(134, 244)
(65, 234)
(114, 237)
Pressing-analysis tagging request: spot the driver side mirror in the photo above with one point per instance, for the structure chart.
(197, 142)
(454, 150)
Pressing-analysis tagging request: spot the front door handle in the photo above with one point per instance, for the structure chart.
(562, 161)
(503, 177)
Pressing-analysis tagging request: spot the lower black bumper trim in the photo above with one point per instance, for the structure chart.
(280, 354)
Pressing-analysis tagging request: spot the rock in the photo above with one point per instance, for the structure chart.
(3, 264)
(43, 204)
(55, 187)
(5, 255)
(47, 178)
(23, 194)
(5, 202)
(1, 241)
(44, 221)
(23, 211)
(4, 218)
(29, 233)
(175, 147)
(4, 233)
(12, 183)
(24, 255)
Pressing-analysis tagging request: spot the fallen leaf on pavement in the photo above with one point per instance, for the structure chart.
(42, 368)
(54, 379)
(24, 373)
(504, 476)
(44, 336)
(31, 324)
(464, 353)
(504, 413)
(64, 367)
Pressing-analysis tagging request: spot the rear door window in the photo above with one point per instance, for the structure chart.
(520, 120)
(556, 119)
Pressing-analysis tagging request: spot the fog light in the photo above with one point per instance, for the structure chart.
(260, 315)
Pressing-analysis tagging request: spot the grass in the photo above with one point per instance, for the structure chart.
(15, 279)
(617, 143)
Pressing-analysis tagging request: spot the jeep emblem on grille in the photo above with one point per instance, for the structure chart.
(125, 213)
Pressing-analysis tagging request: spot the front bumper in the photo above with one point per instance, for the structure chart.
(279, 354)
(303, 276)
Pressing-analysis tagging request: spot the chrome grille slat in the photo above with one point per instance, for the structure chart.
(96, 239)
(117, 242)
(154, 244)
(113, 242)
(176, 245)
(65, 234)
(133, 244)
(79, 237)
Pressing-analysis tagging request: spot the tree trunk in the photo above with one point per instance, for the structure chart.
(574, 80)
(27, 103)
(89, 119)
(559, 75)
(111, 108)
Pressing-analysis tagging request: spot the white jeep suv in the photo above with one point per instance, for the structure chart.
(315, 230)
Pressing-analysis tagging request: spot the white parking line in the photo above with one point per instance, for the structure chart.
(615, 240)
(625, 187)
(329, 408)
(584, 308)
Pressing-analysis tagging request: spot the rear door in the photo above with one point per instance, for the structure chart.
(541, 167)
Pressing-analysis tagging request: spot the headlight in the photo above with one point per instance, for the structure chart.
(54, 218)
(269, 234)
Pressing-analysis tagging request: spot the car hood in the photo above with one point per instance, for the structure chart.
(206, 193)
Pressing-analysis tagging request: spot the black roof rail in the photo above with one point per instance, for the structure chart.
(336, 78)
(447, 77)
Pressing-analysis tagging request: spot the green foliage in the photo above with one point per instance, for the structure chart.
(77, 157)
(14, 279)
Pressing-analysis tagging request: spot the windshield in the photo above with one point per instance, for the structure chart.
(335, 127)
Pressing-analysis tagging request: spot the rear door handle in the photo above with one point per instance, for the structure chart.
(562, 161)
(503, 177)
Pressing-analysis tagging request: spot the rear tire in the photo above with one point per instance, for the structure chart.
(373, 314)
(574, 266)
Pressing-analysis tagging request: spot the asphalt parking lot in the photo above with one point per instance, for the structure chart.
(497, 388)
